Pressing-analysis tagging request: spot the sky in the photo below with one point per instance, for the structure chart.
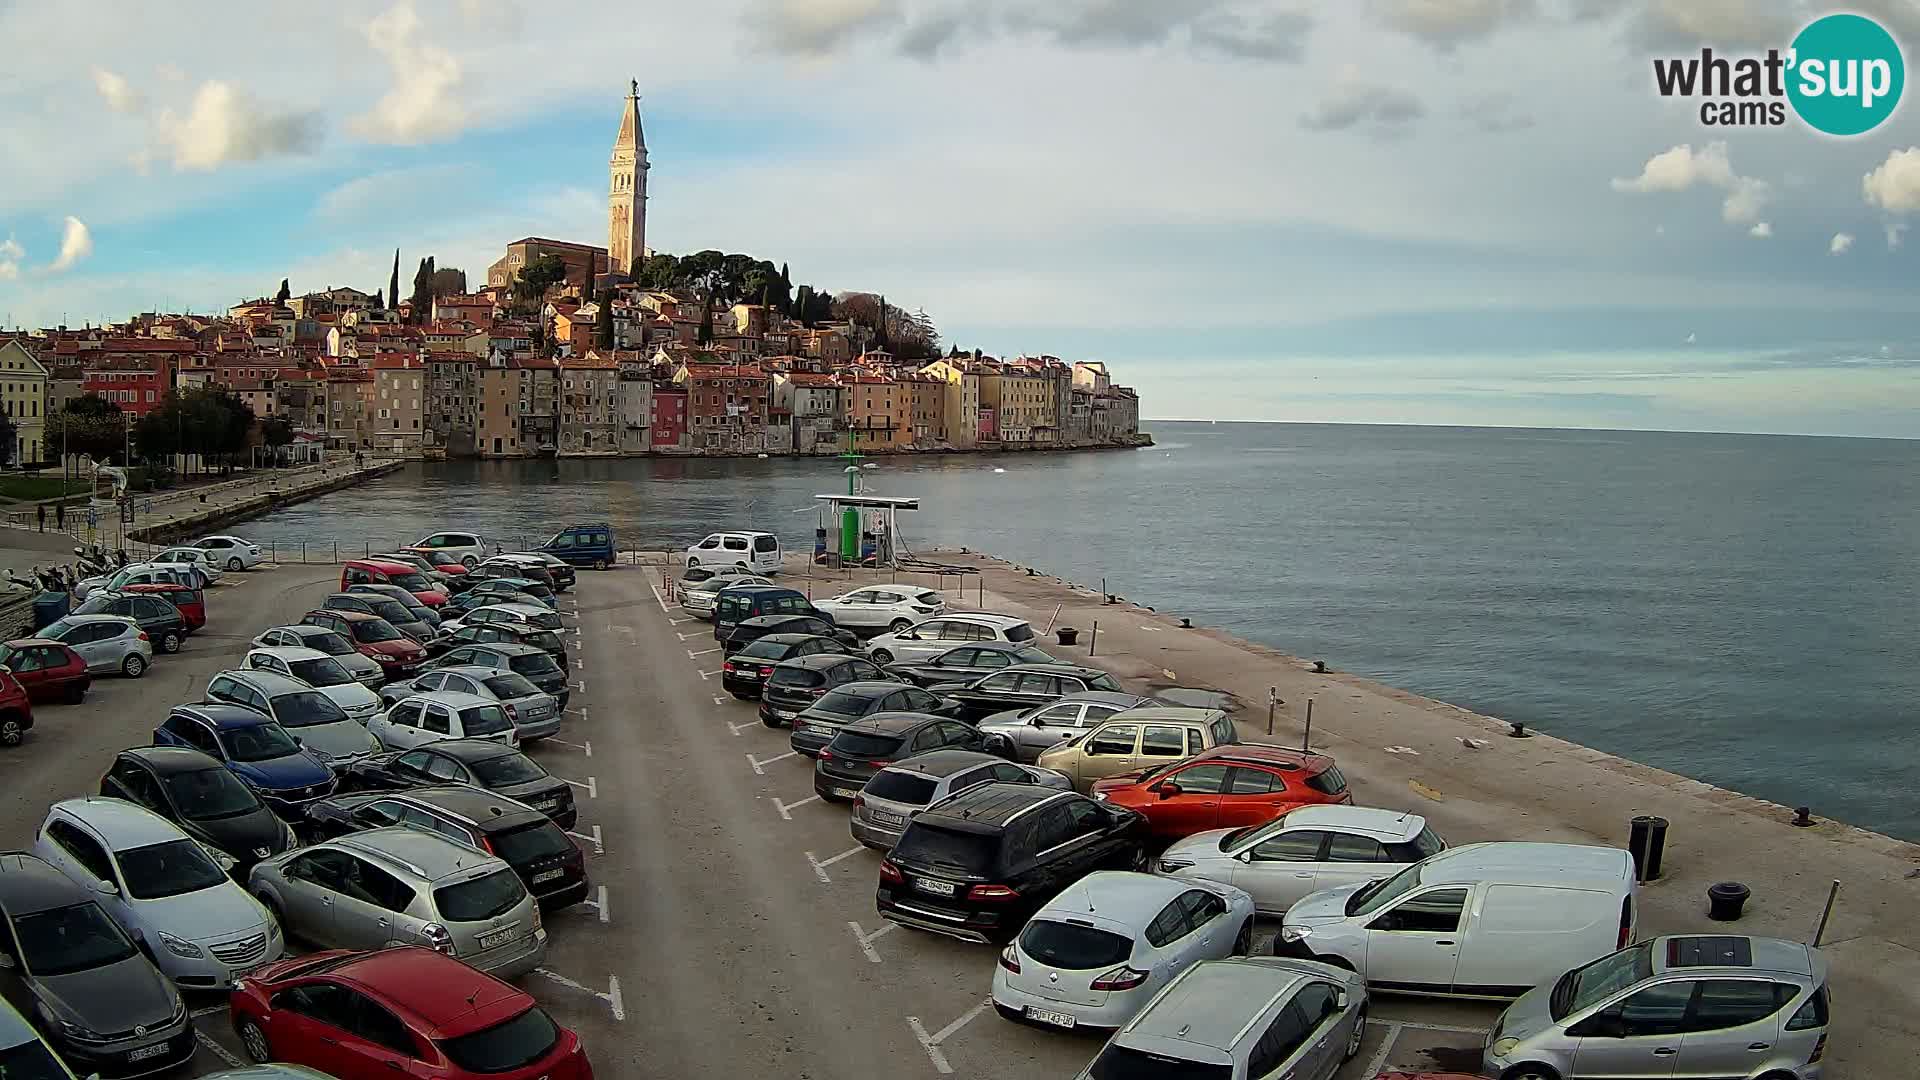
(1398, 211)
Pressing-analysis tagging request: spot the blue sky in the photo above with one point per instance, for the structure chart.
(1410, 211)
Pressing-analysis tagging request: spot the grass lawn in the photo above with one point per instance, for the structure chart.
(30, 487)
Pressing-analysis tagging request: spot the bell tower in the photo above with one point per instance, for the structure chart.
(627, 189)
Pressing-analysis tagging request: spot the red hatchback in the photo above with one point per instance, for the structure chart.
(374, 638)
(49, 670)
(408, 1012)
(16, 711)
(1226, 787)
(191, 602)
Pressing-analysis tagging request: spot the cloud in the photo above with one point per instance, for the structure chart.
(1369, 108)
(424, 104)
(10, 255)
(1745, 200)
(1896, 232)
(817, 28)
(400, 193)
(76, 243)
(227, 124)
(114, 90)
(1761, 230)
(1446, 23)
(1842, 243)
(1723, 24)
(1682, 167)
(1497, 113)
(1280, 35)
(1894, 185)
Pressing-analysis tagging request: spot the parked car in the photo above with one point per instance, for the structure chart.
(398, 615)
(513, 588)
(357, 1015)
(201, 559)
(234, 553)
(1484, 920)
(499, 768)
(323, 673)
(1229, 786)
(465, 546)
(441, 574)
(447, 564)
(979, 864)
(747, 552)
(141, 574)
(380, 572)
(546, 641)
(108, 643)
(527, 661)
(191, 602)
(748, 631)
(420, 611)
(307, 714)
(588, 544)
(364, 669)
(1251, 1018)
(745, 673)
(816, 725)
(16, 711)
(103, 1005)
(162, 622)
(1138, 739)
(794, 685)
(374, 638)
(1309, 849)
(203, 798)
(47, 669)
(1094, 955)
(925, 640)
(517, 568)
(539, 851)
(484, 592)
(899, 791)
(533, 616)
(562, 572)
(699, 598)
(1707, 1005)
(965, 663)
(736, 604)
(535, 713)
(1024, 687)
(442, 715)
(163, 887)
(24, 1054)
(405, 886)
(883, 607)
(1042, 727)
(865, 746)
(255, 748)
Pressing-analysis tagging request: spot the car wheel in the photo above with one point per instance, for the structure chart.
(693, 563)
(897, 625)
(469, 561)
(254, 1041)
(234, 563)
(881, 657)
(1531, 1070)
(170, 641)
(770, 721)
(76, 693)
(11, 733)
(1243, 944)
(599, 564)
(133, 666)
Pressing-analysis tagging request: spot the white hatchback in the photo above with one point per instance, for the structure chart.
(1304, 851)
(234, 553)
(925, 640)
(1094, 955)
(199, 558)
(439, 715)
(883, 607)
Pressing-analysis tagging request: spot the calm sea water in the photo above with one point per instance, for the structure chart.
(1742, 609)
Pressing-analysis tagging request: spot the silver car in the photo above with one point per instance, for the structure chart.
(699, 598)
(535, 715)
(1043, 727)
(440, 716)
(926, 640)
(364, 669)
(898, 792)
(105, 642)
(309, 715)
(1706, 1005)
(405, 886)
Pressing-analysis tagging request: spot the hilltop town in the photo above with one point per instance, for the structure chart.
(567, 349)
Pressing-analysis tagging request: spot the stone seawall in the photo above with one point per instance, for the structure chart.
(214, 510)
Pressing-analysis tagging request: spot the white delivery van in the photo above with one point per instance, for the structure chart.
(744, 552)
(1485, 920)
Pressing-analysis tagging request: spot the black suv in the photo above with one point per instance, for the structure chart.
(816, 726)
(745, 672)
(200, 795)
(866, 746)
(164, 624)
(549, 863)
(494, 766)
(792, 686)
(748, 631)
(1023, 687)
(977, 865)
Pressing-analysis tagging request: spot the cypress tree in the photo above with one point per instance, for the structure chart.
(393, 283)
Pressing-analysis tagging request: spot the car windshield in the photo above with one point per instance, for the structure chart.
(1585, 987)
(1251, 833)
(1379, 894)
(61, 941)
(168, 869)
(540, 840)
(506, 769)
(374, 631)
(258, 742)
(1074, 946)
(901, 787)
(1118, 1062)
(842, 703)
(504, 1047)
(330, 643)
(31, 1060)
(864, 744)
(480, 898)
(387, 608)
(321, 671)
(411, 581)
(967, 852)
(764, 649)
(508, 686)
(56, 631)
(533, 665)
(484, 720)
(207, 794)
(306, 708)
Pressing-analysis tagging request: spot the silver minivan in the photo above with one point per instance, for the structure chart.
(1703, 1005)
(405, 886)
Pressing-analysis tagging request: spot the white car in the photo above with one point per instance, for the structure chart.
(700, 597)
(326, 640)
(747, 552)
(468, 547)
(1094, 955)
(169, 892)
(1303, 851)
(234, 553)
(439, 715)
(530, 616)
(322, 672)
(199, 558)
(926, 640)
(883, 607)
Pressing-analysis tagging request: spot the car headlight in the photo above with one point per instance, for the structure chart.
(79, 1032)
(224, 861)
(1168, 866)
(1099, 796)
(181, 946)
(1295, 933)
(1503, 1047)
(288, 838)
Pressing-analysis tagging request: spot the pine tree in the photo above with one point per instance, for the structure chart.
(422, 290)
(379, 300)
(285, 293)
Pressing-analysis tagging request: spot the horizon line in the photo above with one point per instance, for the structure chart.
(1528, 427)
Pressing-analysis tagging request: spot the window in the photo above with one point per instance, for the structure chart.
(1436, 912)
(1052, 827)
(368, 883)
(406, 714)
(369, 1020)
(1729, 1003)
(1201, 779)
(1349, 848)
(1033, 682)
(1163, 742)
(437, 720)
(1812, 1012)
(85, 850)
(1087, 818)
(1299, 846)
(1657, 1010)
(1281, 1040)
(1118, 739)
(1202, 907)
(1255, 782)
(330, 1005)
(443, 769)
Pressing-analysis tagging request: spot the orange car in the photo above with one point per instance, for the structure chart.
(1227, 787)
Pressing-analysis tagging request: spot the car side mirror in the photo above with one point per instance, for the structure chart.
(106, 888)
(1339, 999)
(1168, 789)
(300, 742)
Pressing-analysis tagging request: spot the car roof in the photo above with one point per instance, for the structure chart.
(348, 614)
(769, 587)
(1526, 862)
(1169, 714)
(791, 639)
(452, 699)
(508, 648)
(1266, 754)
(477, 805)
(96, 617)
(23, 642)
(469, 750)
(382, 565)
(1077, 670)
(891, 723)
(171, 760)
(271, 683)
(986, 617)
(1127, 899)
(1102, 697)
(29, 883)
(287, 652)
(302, 629)
(445, 995)
(988, 807)
(870, 687)
(224, 716)
(120, 823)
(1386, 826)
(1683, 951)
(816, 660)
(428, 854)
(471, 671)
(516, 607)
(1215, 1002)
(936, 764)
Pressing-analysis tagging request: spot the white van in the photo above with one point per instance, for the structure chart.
(1485, 920)
(746, 552)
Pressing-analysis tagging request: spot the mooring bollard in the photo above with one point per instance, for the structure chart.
(1803, 817)
(1647, 842)
(1725, 900)
(1095, 639)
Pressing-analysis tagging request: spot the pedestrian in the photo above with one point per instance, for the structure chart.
(43, 517)
(60, 516)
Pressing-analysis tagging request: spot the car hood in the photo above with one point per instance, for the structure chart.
(396, 648)
(1327, 905)
(221, 911)
(340, 739)
(252, 835)
(131, 993)
(1205, 845)
(294, 770)
(350, 696)
(1529, 1015)
(1006, 722)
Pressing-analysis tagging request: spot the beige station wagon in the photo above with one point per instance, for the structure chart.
(1138, 739)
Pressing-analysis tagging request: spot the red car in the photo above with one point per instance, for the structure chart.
(444, 561)
(405, 1012)
(48, 670)
(191, 602)
(1226, 787)
(373, 637)
(16, 711)
(388, 572)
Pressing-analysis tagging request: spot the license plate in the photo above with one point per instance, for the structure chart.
(937, 888)
(844, 793)
(1047, 1016)
(498, 937)
(784, 714)
(146, 1052)
(881, 817)
(547, 804)
(548, 875)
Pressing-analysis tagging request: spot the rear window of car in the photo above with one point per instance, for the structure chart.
(1074, 946)
(504, 1047)
(1019, 632)
(930, 845)
(842, 703)
(507, 686)
(902, 787)
(764, 650)
(533, 665)
(802, 677)
(542, 639)
(732, 608)
(765, 543)
(484, 720)
(864, 744)
(1328, 781)
(544, 620)
(481, 898)
(1427, 843)
(410, 581)
(540, 840)
(330, 643)
(507, 769)
(1118, 1062)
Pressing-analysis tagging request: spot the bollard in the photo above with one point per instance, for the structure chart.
(1306, 740)
(1647, 841)
(1067, 635)
(1320, 667)
(1803, 817)
(1725, 900)
(1517, 729)
(1095, 639)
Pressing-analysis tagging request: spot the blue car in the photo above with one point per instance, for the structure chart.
(587, 544)
(255, 748)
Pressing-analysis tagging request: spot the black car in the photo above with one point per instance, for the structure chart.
(871, 743)
(965, 663)
(794, 685)
(495, 766)
(547, 641)
(549, 863)
(204, 798)
(399, 615)
(745, 672)
(748, 631)
(977, 865)
(816, 725)
(164, 624)
(489, 570)
(1023, 687)
(527, 661)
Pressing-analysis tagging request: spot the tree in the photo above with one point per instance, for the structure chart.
(802, 304)
(276, 432)
(393, 283)
(9, 437)
(89, 425)
(603, 322)
(423, 290)
(379, 299)
(448, 280)
(285, 293)
(659, 271)
(785, 291)
(531, 286)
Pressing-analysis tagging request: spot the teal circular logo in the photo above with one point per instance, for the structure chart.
(1845, 74)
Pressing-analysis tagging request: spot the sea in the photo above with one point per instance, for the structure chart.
(1741, 609)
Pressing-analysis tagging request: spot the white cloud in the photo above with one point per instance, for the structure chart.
(1720, 23)
(1894, 185)
(1446, 23)
(113, 88)
(1745, 200)
(1896, 232)
(1842, 243)
(76, 243)
(226, 124)
(400, 193)
(1761, 230)
(10, 255)
(1682, 167)
(423, 104)
(1382, 112)
(818, 28)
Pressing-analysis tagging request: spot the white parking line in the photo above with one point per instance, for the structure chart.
(690, 637)
(661, 600)
(1379, 1060)
(760, 767)
(711, 674)
(743, 725)
(579, 684)
(866, 940)
(785, 807)
(579, 663)
(599, 905)
(611, 997)
(1446, 1028)
(599, 846)
(219, 1051)
(820, 865)
(718, 700)
(671, 621)
(592, 786)
(584, 747)
(932, 1042)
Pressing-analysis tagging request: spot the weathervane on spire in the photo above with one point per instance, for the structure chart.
(636, 86)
